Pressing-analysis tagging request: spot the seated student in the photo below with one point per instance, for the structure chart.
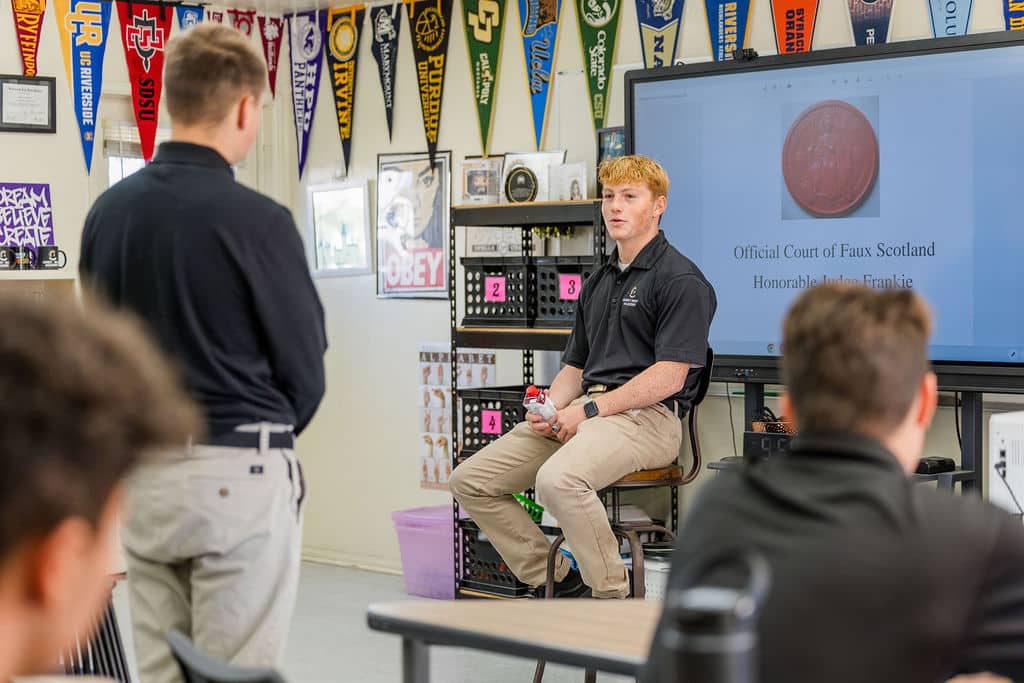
(631, 370)
(82, 395)
(874, 578)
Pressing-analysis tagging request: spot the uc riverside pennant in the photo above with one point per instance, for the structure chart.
(870, 19)
(306, 31)
(270, 36)
(727, 26)
(342, 52)
(82, 25)
(189, 15)
(659, 28)
(431, 22)
(485, 22)
(538, 25)
(385, 22)
(794, 24)
(28, 19)
(242, 20)
(599, 26)
(144, 31)
(950, 17)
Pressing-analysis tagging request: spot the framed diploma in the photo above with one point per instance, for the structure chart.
(28, 105)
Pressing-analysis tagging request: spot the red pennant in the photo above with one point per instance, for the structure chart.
(28, 18)
(242, 19)
(270, 35)
(215, 15)
(144, 31)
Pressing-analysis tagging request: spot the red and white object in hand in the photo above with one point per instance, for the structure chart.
(537, 402)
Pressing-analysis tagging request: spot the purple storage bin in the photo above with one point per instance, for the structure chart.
(426, 542)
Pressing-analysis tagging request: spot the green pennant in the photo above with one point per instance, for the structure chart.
(599, 26)
(485, 22)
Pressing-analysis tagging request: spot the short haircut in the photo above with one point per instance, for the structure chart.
(208, 67)
(853, 357)
(83, 396)
(634, 169)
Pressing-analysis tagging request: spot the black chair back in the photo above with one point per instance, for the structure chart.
(197, 667)
(702, 391)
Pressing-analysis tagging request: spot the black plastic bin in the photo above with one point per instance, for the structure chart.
(499, 292)
(559, 281)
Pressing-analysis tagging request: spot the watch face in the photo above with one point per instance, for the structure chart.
(590, 409)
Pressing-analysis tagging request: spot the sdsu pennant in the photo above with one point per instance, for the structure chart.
(144, 33)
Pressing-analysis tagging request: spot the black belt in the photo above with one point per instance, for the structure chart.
(250, 440)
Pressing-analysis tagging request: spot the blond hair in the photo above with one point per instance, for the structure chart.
(208, 68)
(634, 169)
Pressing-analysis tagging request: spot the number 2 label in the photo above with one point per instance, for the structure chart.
(494, 289)
(569, 287)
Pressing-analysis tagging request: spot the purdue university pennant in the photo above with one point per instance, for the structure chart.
(431, 22)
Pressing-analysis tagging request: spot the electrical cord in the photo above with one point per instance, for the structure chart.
(956, 421)
(732, 424)
(1000, 468)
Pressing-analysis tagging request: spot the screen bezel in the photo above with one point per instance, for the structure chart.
(953, 375)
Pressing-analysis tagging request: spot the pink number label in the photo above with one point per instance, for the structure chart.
(494, 289)
(569, 287)
(491, 421)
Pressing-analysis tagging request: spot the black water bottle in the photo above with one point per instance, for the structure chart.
(710, 632)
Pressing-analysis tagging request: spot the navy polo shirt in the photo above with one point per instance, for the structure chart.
(658, 309)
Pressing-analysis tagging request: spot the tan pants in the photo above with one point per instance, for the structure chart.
(567, 478)
(212, 540)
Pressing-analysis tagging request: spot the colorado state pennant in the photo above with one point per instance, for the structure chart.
(538, 25)
(870, 20)
(82, 26)
(659, 28)
(431, 22)
(144, 32)
(342, 48)
(727, 26)
(794, 24)
(270, 36)
(306, 31)
(485, 23)
(242, 20)
(189, 15)
(950, 17)
(385, 21)
(599, 27)
(28, 19)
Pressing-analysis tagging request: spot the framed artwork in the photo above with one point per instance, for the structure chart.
(481, 179)
(611, 143)
(525, 175)
(28, 104)
(341, 229)
(413, 202)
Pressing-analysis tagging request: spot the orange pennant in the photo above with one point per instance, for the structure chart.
(794, 24)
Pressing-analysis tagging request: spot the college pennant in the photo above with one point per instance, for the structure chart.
(82, 26)
(144, 32)
(215, 15)
(727, 26)
(28, 19)
(599, 27)
(794, 24)
(270, 36)
(385, 21)
(306, 30)
(431, 23)
(242, 20)
(484, 21)
(342, 50)
(1013, 14)
(870, 20)
(950, 17)
(189, 15)
(659, 22)
(538, 26)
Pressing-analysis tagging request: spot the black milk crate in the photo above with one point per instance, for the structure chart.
(559, 281)
(484, 571)
(499, 291)
(486, 414)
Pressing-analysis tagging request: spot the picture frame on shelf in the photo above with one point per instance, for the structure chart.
(568, 182)
(28, 104)
(525, 176)
(340, 229)
(481, 179)
(413, 209)
(611, 143)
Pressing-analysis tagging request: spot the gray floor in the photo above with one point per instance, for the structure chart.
(330, 642)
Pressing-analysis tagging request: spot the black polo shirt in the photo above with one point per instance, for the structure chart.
(658, 309)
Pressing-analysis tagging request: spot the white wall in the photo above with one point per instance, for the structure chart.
(360, 451)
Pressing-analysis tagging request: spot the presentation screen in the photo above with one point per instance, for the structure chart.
(900, 166)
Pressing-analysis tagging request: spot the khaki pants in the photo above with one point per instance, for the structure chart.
(212, 541)
(567, 478)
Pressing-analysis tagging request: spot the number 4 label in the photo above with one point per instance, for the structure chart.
(494, 289)
(569, 287)
(491, 420)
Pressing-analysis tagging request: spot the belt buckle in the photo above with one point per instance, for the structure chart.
(597, 389)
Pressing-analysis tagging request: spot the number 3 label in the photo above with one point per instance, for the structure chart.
(491, 421)
(569, 287)
(494, 289)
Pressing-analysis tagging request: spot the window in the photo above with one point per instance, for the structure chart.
(123, 149)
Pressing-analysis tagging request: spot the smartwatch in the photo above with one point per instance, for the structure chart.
(590, 409)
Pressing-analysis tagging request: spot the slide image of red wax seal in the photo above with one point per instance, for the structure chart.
(830, 159)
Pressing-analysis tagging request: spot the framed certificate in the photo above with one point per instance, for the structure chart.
(28, 105)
